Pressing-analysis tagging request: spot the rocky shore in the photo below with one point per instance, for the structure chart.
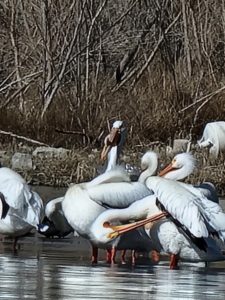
(59, 167)
(50, 166)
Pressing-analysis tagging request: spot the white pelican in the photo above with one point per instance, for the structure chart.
(25, 207)
(186, 232)
(112, 150)
(181, 167)
(84, 202)
(54, 222)
(113, 144)
(213, 137)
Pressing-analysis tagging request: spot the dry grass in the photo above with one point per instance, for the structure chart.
(81, 165)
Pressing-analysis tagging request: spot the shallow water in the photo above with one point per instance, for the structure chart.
(61, 269)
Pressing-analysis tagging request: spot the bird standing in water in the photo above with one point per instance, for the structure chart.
(21, 207)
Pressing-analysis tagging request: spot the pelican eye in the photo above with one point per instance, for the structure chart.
(174, 162)
(106, 224)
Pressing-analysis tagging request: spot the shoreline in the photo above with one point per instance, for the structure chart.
(59, 169)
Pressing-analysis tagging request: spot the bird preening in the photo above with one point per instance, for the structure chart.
(153, 213)
(21, 209)
(157, 212)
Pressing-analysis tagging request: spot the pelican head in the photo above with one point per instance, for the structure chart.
(117, 124)
(102, 231)
(148, 159)
(112, 139)
(184, 163)
(149, 165)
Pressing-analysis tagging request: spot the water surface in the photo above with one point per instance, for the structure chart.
(61, 269)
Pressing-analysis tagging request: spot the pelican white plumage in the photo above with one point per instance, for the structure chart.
(185, 235)
(191, 208)
(54, 222)
(181, 166)
(213, 137)
(188, 207)
(25, 207)
(84, 202)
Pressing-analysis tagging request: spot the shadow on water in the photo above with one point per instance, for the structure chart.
(61, 269)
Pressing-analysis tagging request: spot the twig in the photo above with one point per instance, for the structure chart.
(210, 95)
(195, 119)
(24, 88)
(151, 144)
(152, 55)
(64, 65)
(23, 138)
(74, 132)
(21, 79)
(150, 58)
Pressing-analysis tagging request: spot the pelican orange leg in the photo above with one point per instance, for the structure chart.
(155, 256)
(123, 261)
(113, 258)
(174, 258)
(94, 257)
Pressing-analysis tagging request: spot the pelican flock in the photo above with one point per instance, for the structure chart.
(173, 237)
(54, 222)
(154, 213)
(84, 202)
(184, 233)
(172, 217)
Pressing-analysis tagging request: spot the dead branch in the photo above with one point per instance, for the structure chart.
(24, 88)
(82, 133)
(149, 59)
(16, 51)
(63, 68)
(18, 80)
(88, 42)
(186, 39)
(195, 121)
(11, 134)
(210, 95)
(7, 78)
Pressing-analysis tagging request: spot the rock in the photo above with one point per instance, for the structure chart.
(50, 152)
(22, 161)
(179, 145)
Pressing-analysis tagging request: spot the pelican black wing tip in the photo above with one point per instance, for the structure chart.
(4, 206)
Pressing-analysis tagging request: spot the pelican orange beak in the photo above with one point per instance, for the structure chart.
(166, 170)
(120, 229)
(104, 152)
(112, 139)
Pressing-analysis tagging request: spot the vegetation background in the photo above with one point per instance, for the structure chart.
(69, 67)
